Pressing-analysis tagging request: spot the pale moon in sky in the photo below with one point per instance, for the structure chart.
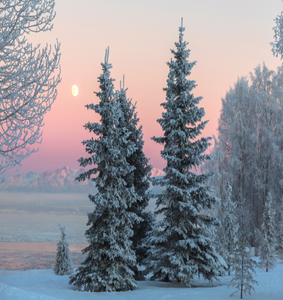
(75, 90)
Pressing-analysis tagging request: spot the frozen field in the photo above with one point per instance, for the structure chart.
(33, 227)
(34, 255)
(29, 241)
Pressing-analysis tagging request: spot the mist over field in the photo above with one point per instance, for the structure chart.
(41, 227)
(34, 217)
(52, 203)
(69, 203)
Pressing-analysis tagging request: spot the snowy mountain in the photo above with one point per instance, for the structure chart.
(60, 180)
(156, 172)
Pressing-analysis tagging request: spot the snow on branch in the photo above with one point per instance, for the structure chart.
(28, 78)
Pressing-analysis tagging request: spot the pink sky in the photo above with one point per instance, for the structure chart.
(227, 39)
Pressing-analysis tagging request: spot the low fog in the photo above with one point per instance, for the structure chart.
(55, 203)
(45, 202)
(64, 203)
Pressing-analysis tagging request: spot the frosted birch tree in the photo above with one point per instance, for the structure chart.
(235, 127)
(28, 77)
(63, 264)
(280, 240)
(278, 173)
(267, 259)
(109, 254)
(277, 45)
(181, 245)
(229, 228)
(243, 265)
(266, 90)
(250, 135)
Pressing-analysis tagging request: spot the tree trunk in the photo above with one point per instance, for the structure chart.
(258, 210)
(244, 175)
(166, 279)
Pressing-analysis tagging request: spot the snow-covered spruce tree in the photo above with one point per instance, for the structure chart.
(138, 178)
(243, 264)
(63, 264)
(181, 244)
(267, 259)
(229, 227)
(109, 254)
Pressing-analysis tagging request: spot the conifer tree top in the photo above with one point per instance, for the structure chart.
(106, 82)
(182, 119)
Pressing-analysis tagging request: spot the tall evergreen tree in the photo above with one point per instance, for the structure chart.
(63, 265)
(138, 178)
(267, 249)
(109, 255)
(181, 245)
(229, 228)
(243, 264)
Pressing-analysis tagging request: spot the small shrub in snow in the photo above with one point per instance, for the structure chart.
(63, 265)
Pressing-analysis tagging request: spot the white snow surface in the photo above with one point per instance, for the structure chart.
(44, 285)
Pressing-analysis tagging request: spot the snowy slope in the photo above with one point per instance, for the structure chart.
(43, 284)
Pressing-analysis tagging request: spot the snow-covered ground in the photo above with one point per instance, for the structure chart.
(44, 285)
(28, 241)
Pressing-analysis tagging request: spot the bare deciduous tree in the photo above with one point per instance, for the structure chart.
(28, 77)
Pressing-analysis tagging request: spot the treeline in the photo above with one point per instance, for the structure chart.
(249, 150)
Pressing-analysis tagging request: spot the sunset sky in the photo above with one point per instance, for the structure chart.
(227, 39)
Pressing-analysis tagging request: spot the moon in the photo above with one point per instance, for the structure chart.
(75, 90)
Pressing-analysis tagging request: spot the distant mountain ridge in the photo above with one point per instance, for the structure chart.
(58, 181)
(156, 172)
